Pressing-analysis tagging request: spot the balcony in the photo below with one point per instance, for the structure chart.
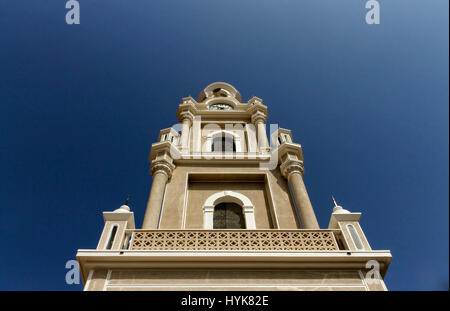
(136, 249)
(233, 240)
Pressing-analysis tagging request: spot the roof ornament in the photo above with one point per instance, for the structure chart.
(124, 208)
(337, 208)
(334, 201)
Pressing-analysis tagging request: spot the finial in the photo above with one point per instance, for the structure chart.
(334, 201)
(337, 208)
(125, 207)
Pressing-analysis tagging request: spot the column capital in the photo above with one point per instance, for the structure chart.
(290, 166)
(187, 110)
(186, 115)
(259, 116)
(161, 166)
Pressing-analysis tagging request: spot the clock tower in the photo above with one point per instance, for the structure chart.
(229, 210)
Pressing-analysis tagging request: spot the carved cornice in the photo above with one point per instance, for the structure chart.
(255, 101)
(291, 151)
(164, 150)
(188, 101)
(256, 107)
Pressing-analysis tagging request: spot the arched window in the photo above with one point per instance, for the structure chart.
(355, 237)
(223, 144)
(228, 216)
(244, 208)
(112, 235)
(223, 141)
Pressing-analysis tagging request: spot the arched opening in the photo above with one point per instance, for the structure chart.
(236, 206)
(355, 237)
(228, 216)
(220, 89)
(112, 235)
(218, 92)
(223, 144)
(223, 141)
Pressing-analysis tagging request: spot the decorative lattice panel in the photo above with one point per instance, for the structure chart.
(233, 240)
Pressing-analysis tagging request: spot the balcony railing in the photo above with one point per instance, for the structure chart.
(231, 240)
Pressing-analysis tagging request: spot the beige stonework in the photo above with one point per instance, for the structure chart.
(269, 237)
(235, 279)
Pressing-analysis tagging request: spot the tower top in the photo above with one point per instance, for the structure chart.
(219, 89)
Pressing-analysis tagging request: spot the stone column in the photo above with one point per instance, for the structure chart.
(161, 172)
(293, 171)
(186, 119)
(259, 119)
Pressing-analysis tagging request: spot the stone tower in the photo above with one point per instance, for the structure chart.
(229, 211)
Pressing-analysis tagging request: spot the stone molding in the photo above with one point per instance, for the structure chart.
(259, 116)
(186, 115)
(292, 166)
(162, 167)
(248, 208)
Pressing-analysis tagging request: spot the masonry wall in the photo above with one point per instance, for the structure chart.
(233, 279)
(198, 192)
(190, 186)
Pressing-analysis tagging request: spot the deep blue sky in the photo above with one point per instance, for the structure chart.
(80, 106)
